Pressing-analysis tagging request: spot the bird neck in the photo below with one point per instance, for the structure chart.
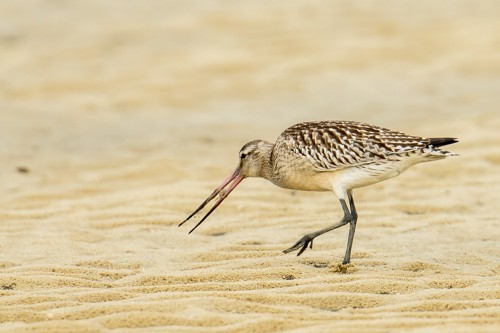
(265, 158)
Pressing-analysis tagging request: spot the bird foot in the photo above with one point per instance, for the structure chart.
(342, 268)
(303, 242)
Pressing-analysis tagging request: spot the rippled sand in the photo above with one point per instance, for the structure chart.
(118, 118)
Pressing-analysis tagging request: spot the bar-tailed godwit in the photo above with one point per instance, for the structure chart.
(336, 156)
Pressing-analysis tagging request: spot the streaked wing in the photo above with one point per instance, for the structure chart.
(330, 145)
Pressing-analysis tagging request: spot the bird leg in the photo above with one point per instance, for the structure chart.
(352, 228)
(307, 240)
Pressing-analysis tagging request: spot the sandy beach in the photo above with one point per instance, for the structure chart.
(118, 118)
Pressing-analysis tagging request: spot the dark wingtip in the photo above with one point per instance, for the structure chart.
(438, 142)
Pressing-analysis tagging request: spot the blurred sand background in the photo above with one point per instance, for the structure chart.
(117, 118)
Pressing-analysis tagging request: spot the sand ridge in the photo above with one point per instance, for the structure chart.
(118, 119)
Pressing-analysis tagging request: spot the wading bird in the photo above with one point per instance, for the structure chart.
(336, 156)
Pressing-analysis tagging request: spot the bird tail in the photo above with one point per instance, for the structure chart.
(439, 142)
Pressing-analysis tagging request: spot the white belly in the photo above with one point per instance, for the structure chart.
(371, 173)
(339, 180)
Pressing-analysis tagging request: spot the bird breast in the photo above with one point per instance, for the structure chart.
(294, 172)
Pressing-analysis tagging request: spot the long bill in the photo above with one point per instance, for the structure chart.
(234, 179)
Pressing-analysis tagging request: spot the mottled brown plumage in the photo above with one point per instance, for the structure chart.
(330, 145)
(336, 156)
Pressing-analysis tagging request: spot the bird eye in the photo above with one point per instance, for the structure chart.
(243, 155)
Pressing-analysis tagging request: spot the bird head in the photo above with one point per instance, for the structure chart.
(254, 157)
(254, 160)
